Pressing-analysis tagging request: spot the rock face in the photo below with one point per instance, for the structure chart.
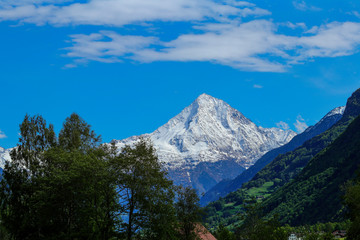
(210, 141)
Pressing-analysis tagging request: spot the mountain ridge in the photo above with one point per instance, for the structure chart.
(316, 193)
(225, 187)
(283, 168)
(209, 131)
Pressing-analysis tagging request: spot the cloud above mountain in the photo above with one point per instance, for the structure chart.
(300, 124)
(233, 33)
(247, 46)
(2, 135)
(122, 12)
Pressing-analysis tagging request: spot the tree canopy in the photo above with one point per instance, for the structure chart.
(71, 186)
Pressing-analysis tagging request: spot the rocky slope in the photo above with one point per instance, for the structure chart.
(210, 141)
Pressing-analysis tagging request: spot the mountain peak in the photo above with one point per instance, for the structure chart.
(338, 110)
(205, 99)
(204, 96)
(330, 118)
(209, 141)
(211, 130)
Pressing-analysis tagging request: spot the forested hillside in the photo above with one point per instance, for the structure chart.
(315, 195)
(225, 187)
(281, 170)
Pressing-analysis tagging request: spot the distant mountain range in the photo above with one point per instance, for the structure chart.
(210, 141)
(227, 186)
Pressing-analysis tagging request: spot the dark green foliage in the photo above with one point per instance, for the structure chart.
(222, 233)
(286, 167)
(352, 200)
(254, 227)
(227, 186)
(75, 188)
(17, 185)
(146, 195)
(76, 134)
(54, 191)
(315, 194)
(188, 212)
(312, 236)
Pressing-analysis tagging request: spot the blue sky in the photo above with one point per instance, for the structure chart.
(127, 67)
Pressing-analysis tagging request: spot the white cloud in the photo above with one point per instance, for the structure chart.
(331, 40)
(106, 46)
(303, 6)
(249, 46)
(257, 86)
(231, 40)
(233, 44)
(294, 25)
(8, 3)
(300, 124)
(356, 14)
(2, 135)
(282, 125)
(122, 12)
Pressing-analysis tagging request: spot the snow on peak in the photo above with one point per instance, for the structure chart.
(4, 156)
(338, 110)
(333, 113)
(210, 130)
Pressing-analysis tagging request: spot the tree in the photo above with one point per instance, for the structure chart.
(59, 189)
(352, 200)
(76, 134)
(222, 233)
(188, 212)
(80, 182)
(254, 227)
(312, 236)
(146, 195)
(18, 186)
(327, 236)
(72, 187)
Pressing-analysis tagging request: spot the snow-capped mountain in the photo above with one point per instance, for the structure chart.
(329, 119)
(209, 141)
(4, 156)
